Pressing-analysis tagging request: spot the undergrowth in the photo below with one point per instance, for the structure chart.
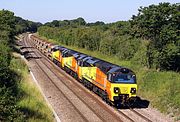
(30, 101)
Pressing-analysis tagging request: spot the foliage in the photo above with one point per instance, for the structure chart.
(140, 58)
(5, 58)
(7, 21)
(25, 25)
(31, 104)
(160, 24)
(8, 87)
(8, 110)
(72, 23)
(9, 78)
(11, 25)
(162, 88)
(108, 39)
(95, 24)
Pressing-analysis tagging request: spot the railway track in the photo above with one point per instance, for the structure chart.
(43, 62)
(58, 72)
(77, 89)
(51, 80)
(142, 116)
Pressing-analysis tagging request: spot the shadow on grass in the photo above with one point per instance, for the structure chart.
(29, 113)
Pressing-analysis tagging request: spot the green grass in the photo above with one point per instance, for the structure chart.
(162, 89)
(31, 101)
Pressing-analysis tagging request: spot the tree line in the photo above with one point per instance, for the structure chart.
(107, 39)
(150, 38)
(10, 26)
(160, 24)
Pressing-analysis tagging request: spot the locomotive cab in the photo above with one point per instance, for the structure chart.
(123, 86)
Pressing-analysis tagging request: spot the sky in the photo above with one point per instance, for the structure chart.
(91, 10)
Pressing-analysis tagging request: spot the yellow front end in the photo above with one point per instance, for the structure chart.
(122, 92)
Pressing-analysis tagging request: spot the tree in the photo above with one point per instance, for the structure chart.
(22, 25)
(8, 82)
(7, 22)
(160, 24)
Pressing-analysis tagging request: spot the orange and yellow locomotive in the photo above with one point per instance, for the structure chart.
(115, 84)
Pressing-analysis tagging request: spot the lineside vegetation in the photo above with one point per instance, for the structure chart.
(31, 104)
(17, 101)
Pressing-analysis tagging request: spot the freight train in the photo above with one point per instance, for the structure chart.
(114, 84)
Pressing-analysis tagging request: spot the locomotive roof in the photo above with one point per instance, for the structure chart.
(105, 66)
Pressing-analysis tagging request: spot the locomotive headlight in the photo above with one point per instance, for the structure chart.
(133, 90)
(116, 90)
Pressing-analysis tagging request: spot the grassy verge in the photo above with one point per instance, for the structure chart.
(162, 89)
(30, 101)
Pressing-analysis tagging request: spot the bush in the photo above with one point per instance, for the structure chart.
(160, 24)
(8, 87)
(140, 57)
